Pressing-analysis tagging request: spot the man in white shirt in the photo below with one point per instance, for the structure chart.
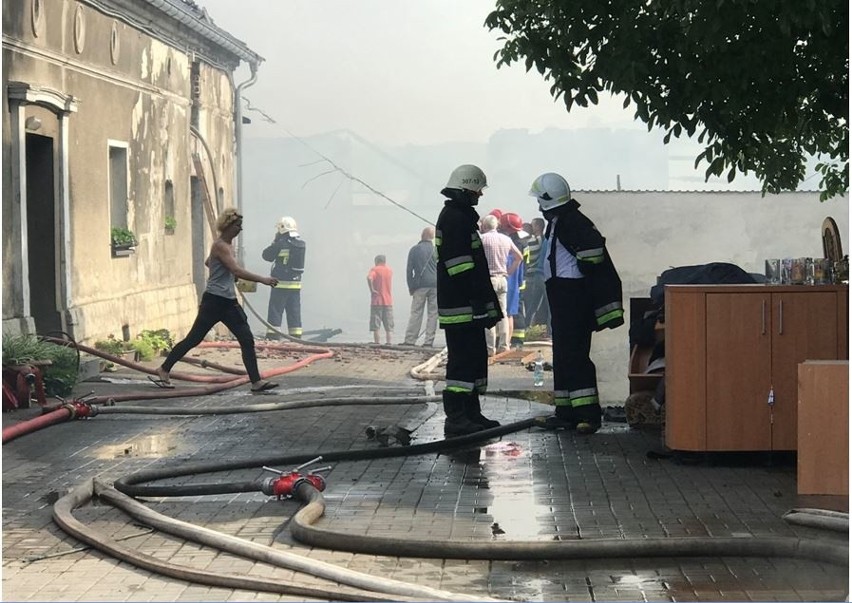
(503, 257)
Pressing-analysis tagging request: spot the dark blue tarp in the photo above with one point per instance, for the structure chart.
(715, 273)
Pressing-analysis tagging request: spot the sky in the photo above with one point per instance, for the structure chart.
(394, 71)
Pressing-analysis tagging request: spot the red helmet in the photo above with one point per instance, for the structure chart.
(496, 213)
(511, 222)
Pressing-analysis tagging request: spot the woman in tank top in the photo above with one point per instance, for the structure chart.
(219, 303)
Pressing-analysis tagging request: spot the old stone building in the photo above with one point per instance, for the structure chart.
(119, 126)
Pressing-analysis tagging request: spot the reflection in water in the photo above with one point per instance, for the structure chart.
(510, 499)
(150, 446)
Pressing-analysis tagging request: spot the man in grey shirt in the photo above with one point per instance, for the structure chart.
(422, 278)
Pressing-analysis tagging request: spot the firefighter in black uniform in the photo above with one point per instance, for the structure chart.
(287, 254)
(584, 293)
(467, 304)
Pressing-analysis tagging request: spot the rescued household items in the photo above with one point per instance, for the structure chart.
(799, 271)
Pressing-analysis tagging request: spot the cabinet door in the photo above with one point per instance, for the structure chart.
(804, 327)
(738, 371)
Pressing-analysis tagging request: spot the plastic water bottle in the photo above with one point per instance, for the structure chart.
(538, 371)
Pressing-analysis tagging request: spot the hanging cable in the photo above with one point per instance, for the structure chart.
(336, 167)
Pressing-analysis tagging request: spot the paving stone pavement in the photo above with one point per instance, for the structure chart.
(531, 485)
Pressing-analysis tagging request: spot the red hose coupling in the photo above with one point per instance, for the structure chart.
(285, 485)
(316, 480)
(80, 410)
(282, 485)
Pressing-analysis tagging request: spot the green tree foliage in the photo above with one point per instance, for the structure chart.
(764, 85)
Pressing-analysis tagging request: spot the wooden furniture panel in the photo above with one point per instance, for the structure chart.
(823, 435)
(738, 367)
(639, 380)
(685, 375)
(728, 346)
(803, 328)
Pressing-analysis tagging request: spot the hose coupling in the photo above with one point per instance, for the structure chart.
(286, 483)
(281, 486)
(80, 410)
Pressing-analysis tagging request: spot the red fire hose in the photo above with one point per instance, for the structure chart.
(72, 410)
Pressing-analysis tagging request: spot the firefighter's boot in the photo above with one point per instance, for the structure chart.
(474, 413)
(588, 418)
(457, 423)
(563, 418)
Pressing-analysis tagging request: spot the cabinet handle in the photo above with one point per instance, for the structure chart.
(781, 317)
(763, 317)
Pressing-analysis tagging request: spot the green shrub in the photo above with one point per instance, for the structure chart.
(171, 223)
(122, 236)
(113, 346)
(160, 340)
(536, 333)
(144, 349)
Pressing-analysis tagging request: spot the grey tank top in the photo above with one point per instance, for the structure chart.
(220, 280)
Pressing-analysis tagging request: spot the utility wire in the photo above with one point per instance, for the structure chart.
(334, 165)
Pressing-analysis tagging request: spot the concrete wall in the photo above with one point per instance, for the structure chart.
(131, 89)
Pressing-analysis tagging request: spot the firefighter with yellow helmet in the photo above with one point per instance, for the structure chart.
(287, 254)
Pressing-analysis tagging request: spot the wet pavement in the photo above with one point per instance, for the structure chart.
(530, 487)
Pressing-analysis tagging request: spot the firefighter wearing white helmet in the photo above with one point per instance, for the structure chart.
(467, 304)
(287, 254)
(551, 190)
(584, 294)
(286, 224)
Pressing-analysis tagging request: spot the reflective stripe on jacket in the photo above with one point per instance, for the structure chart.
(568, 227)
(465, 294)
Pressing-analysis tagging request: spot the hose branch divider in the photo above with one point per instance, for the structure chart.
(82, 495)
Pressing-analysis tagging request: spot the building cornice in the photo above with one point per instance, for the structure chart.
(185, 26)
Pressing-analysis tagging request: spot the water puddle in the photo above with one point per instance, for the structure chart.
(505, 493)
(145, 447)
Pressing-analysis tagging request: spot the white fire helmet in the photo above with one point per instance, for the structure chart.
(467, 177)
(551, 190)
(286, 224)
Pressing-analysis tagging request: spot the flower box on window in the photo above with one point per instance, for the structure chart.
(123, 242)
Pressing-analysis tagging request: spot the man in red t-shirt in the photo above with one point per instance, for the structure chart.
(381, 300)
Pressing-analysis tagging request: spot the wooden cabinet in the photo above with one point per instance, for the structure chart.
(822, 464)
(732, 353)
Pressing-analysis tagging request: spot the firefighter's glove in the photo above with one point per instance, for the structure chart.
(483, 316)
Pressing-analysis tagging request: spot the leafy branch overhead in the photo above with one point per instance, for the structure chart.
(764, 85)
